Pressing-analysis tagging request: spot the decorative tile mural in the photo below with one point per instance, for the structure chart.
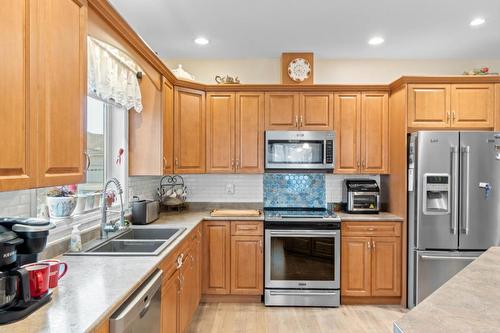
(294, 190)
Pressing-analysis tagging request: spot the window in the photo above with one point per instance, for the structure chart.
(107, 138)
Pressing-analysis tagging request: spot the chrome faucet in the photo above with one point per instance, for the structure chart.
(110, 227)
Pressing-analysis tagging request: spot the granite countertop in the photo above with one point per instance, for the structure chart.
(468, 302)
(382, 216)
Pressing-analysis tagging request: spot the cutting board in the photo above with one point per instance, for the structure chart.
(235, 212)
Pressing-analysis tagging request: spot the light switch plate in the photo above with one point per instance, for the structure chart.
(230, 188)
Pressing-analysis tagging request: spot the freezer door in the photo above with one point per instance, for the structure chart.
(436, 190)
(434, 268)
(480, 194)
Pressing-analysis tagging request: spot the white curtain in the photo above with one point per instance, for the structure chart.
(112, 76)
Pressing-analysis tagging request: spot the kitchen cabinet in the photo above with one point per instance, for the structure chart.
(58, 88)
(220, 133)
(168, 127)
(187, 276)
(235, 132)
(189, 131)
(299, 111)
(371, 259)
(451, 106)
(43, 93)
(217, 257)
(170, 303)
(233, 262)
(17, 128)
(361, 125)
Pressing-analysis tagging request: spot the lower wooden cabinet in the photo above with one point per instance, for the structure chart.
(371, 259)
(233, 258)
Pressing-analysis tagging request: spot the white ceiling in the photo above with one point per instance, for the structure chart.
(413, 29)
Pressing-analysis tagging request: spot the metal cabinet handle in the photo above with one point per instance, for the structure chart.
(260, 245)
(176, 162)
(465, 192)
(453, 116)
(232, 164)
(180, 260)
(164, 162)
(454, 189)
(368, 245)
(301, 121)
(87, 158)
(237, 164)
(448, 116)
(296, 121)
(358, 164)
(373, 245)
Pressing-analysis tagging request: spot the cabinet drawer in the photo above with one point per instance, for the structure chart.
(371, 229)
(241, 228)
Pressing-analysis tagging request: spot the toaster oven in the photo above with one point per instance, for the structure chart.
(361, 196)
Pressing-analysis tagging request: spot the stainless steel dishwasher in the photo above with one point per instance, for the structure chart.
(141, 312)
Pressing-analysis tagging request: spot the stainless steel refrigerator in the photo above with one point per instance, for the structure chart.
(454, 205)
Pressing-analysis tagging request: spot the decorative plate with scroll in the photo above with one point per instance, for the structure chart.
(299, 69)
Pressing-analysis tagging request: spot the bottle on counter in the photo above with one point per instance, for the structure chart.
(75, 244)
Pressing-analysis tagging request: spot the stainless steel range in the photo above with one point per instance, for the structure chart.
(302, 257)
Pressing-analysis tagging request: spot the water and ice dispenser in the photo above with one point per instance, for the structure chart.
(437, 194)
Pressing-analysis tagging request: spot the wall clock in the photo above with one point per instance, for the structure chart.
(297, 68)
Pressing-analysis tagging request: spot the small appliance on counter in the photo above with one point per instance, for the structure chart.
(361, 196)
(21, 239)
(145, 211)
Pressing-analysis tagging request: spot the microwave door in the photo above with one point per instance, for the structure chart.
(282, 154)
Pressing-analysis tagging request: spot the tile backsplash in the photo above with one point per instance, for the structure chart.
(294, 190)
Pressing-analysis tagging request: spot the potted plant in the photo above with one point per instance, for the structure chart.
(61, 202)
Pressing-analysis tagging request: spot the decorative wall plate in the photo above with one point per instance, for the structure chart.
(299, 69)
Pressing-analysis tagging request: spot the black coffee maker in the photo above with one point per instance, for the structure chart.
(21, 240)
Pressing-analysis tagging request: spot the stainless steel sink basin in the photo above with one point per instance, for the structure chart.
(136, 241)
(149, 233)
(127, 246)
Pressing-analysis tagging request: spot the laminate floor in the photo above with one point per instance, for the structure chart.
(256, 318)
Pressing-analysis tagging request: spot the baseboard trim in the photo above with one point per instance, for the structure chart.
(231, 298)
(351, 300)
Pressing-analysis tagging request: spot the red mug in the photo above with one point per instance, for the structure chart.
(39, 278)
(55, 271)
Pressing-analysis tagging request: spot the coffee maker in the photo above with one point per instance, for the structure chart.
(21, 240)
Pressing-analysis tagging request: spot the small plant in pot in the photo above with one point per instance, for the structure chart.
(61, 202)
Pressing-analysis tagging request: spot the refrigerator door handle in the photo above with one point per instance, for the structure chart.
(454, 189)
(447, 258)
(466, 188)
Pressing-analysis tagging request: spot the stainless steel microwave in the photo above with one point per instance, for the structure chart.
(300, 150)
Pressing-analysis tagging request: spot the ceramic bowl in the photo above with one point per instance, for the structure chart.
(61, 206)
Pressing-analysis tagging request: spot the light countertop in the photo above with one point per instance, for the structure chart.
(468, 302)
(382, 216)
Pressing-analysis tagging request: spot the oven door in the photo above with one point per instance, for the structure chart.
(302, 259)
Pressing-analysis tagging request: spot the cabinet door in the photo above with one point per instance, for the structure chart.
(17, 130)
(472, 105)
(58, 88)
(220, 133)
(168, 127)
(497, 107)
(355, 266)
(246, 265)
(428, 105)
(316, 111)
(249, 133)
(186, 297)
(189, 131)
(170, 304)
(374, 132)
(282, 111)
(346, 121)
(217, 259)
(386, 266)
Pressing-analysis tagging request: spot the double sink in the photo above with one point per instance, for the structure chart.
(135, 241)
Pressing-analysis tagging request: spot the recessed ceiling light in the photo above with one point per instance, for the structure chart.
(201, 41)
(377, 40)
(477, 21)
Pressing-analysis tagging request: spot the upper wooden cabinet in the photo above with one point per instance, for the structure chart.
(43, 93)
(361, 126)
(17, 128)
(235, 132)
(189, 131)
(472, 105)
(299, 111)
(451, 105)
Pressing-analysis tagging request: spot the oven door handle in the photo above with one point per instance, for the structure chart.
(303, 233)
(291, 293)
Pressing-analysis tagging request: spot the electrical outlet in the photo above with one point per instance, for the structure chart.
(230, 188)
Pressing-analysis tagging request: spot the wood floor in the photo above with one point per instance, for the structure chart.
(256, 318)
